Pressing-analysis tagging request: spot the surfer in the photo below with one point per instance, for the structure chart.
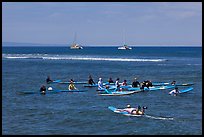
(43, 89)
(134, 111)
(174, 91)
(100, 84)
(71, 85)
(48, 80)
(135, 83)
(90, 81)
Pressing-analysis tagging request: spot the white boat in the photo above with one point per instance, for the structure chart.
(125, 47)
(75, 45)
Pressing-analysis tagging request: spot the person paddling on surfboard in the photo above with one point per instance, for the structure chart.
(134, 111)
(71, 85)
(174, 91)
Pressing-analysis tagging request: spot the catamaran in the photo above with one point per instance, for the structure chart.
(74, 45)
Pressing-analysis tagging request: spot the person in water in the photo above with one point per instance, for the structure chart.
(110, 80)
(43, 89)
(174, 91)
(90, 81)
(48, 80)
(71, 85)
(135, 83)
(100, 84)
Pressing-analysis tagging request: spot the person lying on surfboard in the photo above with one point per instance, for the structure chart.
(134, 111)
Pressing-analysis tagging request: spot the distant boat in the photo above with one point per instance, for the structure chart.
(125, 46)
(74, 45)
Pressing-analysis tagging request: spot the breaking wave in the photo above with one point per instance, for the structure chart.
(72, 57)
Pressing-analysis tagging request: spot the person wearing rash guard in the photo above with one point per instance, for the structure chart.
(124, 83)
(100, 84)
(71, 85)
(174, 91)
(135, 83)
(117, 84)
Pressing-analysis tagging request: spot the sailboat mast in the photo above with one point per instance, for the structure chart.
(124, 37)
(74, 42)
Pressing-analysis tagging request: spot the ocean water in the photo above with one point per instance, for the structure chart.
(87, 113)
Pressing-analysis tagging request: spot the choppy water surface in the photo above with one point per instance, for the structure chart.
(25, 69)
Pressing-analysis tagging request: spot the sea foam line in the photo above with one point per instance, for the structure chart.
(89, 58)
(105, 59)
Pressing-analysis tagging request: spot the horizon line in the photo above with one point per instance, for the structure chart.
(91, 45)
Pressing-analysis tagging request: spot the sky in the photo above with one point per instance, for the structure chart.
(103, 23)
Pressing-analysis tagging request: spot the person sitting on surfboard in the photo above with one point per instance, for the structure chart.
(110, 80)
(100, 84)
(43, 89)
(173, 82)
(135, 83)
(124, 83)
(71, 85)
(174, 91)
(90, 81)
(117, 85)
(48, 80)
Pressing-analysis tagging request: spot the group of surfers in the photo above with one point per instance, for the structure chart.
(135, 83)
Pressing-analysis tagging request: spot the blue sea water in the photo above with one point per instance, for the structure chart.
(87, 113)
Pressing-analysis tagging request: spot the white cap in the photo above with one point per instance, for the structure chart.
(50, 88)
(100, 79)
(128, 106)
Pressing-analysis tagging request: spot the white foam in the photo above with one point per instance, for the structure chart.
(71, 57)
